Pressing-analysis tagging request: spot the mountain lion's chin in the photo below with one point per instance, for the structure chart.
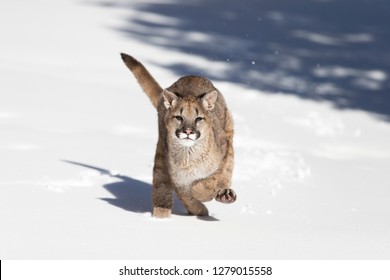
(187, 142)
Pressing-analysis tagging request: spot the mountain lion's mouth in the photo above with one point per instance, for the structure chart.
(187, 139)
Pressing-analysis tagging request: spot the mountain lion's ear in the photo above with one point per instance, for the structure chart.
(170, 99)
(209, 99)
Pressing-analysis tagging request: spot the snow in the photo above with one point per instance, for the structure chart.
(78, 139)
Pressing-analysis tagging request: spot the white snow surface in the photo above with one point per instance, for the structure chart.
(77, 141)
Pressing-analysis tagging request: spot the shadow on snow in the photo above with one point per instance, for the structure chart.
(134, 195)
(324, 50)
(129, 194)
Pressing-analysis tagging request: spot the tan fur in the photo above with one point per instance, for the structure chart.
(194, 155)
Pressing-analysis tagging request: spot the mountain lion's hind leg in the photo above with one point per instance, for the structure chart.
(205, 189)
(193, 206)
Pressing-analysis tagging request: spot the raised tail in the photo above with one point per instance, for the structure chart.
(146, 81)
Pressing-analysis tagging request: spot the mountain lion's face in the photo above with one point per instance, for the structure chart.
(188, 123)
(187, 119)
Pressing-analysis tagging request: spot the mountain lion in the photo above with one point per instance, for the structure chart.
(194, 155)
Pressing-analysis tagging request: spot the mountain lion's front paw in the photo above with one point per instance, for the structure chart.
(159, 212)
(226, 196)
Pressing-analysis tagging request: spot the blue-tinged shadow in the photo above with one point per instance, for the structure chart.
(323, 50)
(129, 194)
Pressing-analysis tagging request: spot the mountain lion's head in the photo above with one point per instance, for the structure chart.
(187, 118)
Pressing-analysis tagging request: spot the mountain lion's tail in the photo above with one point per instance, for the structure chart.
(146, 81)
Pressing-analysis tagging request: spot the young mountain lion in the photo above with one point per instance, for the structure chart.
(194, 155)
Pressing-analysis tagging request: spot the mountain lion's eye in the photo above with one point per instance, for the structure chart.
(179, 118)
(198, 119)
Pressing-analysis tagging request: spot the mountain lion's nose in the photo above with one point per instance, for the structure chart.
(188, 131)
